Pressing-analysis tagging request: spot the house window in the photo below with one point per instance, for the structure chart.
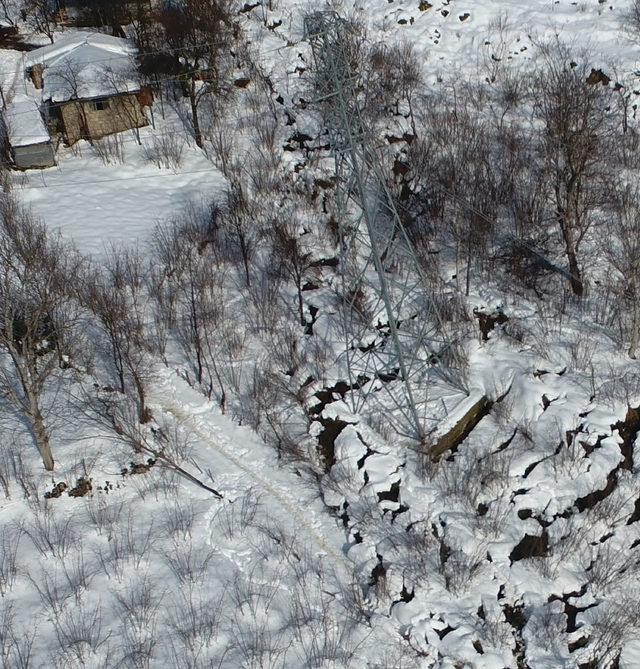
(99, 105)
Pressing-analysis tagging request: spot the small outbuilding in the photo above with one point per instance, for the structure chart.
(29, 140)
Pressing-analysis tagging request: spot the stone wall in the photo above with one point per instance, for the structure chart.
(85, 119)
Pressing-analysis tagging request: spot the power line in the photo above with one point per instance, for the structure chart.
(132, 55)
(134, 140)
(119, 139)
(116, 92)
(153, 53)
(109, 94)
(209, 170)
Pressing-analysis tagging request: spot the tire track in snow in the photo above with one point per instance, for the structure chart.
(283, 499)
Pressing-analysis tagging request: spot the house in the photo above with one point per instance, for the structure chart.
(89, 84)
(28, 137)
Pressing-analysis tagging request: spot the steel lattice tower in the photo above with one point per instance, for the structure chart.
(395, 338)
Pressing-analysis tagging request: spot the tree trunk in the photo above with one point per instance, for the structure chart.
(567, 228)
(635, 333)
(576, 277)
(143, 414)
(41, 436)
(194, 113)
(244, 250)
(303, 320)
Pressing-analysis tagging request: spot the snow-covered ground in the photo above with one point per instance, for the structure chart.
(98, 204)
(520, 549)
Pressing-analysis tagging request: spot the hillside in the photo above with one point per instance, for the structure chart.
(329, 361)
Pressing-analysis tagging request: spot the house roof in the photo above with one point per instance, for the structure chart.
(85, 65)
(24, 122)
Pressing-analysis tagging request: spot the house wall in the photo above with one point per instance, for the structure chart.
(123, 113)
(34, 156)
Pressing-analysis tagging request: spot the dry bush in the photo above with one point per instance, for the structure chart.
(222, 144)
(110, 149)
(80, 634)
(5, 471)
(10, 537)
(495, 631)
(16, 645)
(461, 568)
(165, 150)
(547, 624)
(193, 620)
(613, 623)
(496, 519)
(130, 543)
(52, 590)
(607, 566)
(187, 562)
(103, 513)
(236, 517)
(571, 543)
(416, 550)
(137, 607)
(77, 574)
(570, 461)
(458, 481)
(178, 519)
(51, 532)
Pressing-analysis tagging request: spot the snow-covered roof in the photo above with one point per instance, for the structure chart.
(24, 122)
(85, 65)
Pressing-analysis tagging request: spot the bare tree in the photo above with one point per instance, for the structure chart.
(240, 223)
(9, 11)
(291, 258)
(41, 15)
(67, 72)
(394, 74)
(623, 252)
(116, 294)
(38, 320)
(116, 81)
(633, 17)
(188, 255)
(453, 182)
(199, 34)
(575, 129)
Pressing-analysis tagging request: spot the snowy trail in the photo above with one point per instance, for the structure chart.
(210, 427)
(11, 72)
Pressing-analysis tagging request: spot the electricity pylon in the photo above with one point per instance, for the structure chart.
(395, 336)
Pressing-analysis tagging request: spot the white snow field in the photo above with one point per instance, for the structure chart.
(117, 202)
(225, 545)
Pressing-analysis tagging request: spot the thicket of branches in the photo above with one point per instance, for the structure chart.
(523, 174)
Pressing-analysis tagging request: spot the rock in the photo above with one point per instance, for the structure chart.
(83, 487)
(598, 77)
(57, 491)
(488, 321)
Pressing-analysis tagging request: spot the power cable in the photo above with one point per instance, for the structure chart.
(149, 53)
